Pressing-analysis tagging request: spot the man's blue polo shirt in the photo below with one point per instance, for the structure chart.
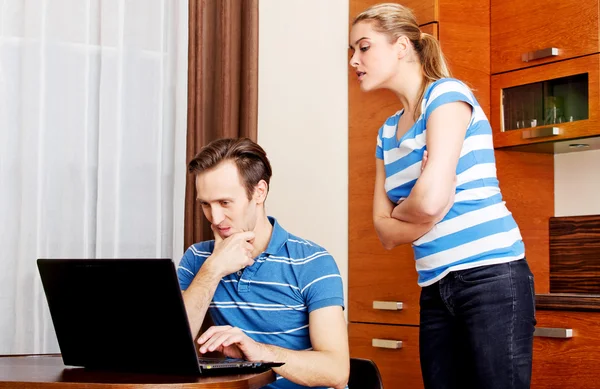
(270, 300)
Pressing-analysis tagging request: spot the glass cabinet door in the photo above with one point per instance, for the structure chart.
(545, 103)
(551, 102)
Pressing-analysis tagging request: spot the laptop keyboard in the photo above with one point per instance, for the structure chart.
(219, 360)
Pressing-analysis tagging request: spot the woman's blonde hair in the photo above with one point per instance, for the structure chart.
(395, 20)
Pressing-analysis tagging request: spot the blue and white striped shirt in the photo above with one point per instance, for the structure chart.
(271, 299)
(478, 230)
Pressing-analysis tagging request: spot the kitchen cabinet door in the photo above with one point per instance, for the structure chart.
(566, 350)
(394, 349)
(524, 32)
(553, 102)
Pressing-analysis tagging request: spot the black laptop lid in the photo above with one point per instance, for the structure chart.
(119, 314)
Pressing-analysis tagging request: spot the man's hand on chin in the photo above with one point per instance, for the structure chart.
(232, 253)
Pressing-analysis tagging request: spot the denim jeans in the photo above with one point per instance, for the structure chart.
(477, 328)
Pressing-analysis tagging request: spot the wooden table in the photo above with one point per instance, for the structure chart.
(48, 371)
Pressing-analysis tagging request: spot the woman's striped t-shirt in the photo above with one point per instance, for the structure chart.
(478, 230)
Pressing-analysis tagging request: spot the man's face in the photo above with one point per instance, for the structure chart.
(224, 200)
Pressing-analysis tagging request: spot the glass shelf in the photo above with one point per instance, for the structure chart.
(546, 103)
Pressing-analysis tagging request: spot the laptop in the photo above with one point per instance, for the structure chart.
(126, 315)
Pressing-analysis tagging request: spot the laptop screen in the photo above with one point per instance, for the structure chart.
(119, 314)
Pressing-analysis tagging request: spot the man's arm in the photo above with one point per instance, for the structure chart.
(392, 232)
(327, 364)
(198, 295)
(229, 256)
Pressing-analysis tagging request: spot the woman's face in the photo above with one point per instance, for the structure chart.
(374, 58)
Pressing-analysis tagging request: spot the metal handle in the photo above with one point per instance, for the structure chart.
(387, 343)
(540, 132)
(388, 305)
(561, 333)
(539, 54)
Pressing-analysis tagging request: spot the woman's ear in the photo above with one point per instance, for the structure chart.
(260, 191)
(402, 46)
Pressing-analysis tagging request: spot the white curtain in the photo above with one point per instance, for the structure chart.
(92, 143)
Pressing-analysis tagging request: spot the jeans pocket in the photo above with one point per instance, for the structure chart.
(482, 274)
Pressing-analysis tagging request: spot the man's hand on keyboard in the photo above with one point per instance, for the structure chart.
(232, 342)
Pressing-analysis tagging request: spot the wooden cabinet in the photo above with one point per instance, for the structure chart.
(426, 11)
(395, 350)
(505, 133)
(566, 362)
(431, 29)
(465, 39)
(544, 60)
(527, 185)
(521, 27)
(379, 280)
(377, 275)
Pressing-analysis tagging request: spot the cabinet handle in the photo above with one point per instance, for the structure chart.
(561, 333)
(388, 305)
(539, 54)
(540, 132)
(387, 343)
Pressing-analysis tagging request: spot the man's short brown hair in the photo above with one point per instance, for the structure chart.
(251, 160)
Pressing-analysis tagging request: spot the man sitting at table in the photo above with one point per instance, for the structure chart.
(272, 295)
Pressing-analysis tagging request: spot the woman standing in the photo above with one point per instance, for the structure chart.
(436, 187)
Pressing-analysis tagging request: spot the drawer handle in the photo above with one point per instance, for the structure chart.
(388, 305)
(561, 333)
(387, 343)
(540, 132)
(539, 54)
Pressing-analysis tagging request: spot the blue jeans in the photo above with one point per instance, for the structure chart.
(477, 328)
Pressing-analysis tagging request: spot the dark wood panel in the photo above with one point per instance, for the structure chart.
(568, 302)
(567, 363)
(399, 368)
(575, 254)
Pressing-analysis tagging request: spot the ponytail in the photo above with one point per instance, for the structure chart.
(433, 64)
(432, 58)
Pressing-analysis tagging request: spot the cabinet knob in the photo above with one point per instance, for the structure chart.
(387, 343)
(388, 305)
(539, 54)
(561, 333)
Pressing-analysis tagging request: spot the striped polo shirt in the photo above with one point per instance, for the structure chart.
(270, 300)
(478, 230)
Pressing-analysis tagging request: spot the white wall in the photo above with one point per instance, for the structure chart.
(577, 183)
(303, 118)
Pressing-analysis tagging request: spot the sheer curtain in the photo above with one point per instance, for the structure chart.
(92, 143)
